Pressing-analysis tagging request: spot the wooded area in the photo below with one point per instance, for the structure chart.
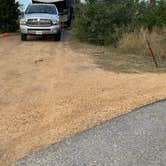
(104, 22)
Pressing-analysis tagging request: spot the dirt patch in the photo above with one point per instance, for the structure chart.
(128, 59)
(66, 93)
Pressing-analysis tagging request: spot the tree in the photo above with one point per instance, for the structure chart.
(153, 2)
(8, 15)
(103, 21)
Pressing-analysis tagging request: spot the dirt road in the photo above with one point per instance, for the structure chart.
(49, 92)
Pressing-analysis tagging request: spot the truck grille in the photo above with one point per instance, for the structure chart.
(44, 31)
(39, 22)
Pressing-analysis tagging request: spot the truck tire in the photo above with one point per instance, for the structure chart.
(23, 37)
(57, 37)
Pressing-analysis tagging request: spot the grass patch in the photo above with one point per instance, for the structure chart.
(131, 55)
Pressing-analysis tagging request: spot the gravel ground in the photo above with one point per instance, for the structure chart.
(135, 139)
(50, 92)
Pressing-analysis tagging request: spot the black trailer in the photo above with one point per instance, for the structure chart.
(65, 8)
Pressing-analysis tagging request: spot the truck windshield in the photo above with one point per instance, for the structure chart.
(49, 9)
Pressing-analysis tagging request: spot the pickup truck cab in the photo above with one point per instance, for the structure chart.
(40, 19)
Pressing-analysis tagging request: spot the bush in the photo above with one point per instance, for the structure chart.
(104, 22)
(150, 16)
(8, 15)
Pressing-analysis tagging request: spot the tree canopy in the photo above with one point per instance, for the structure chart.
(104, 21)
(8, 15)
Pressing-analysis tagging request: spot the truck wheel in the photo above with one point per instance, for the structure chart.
(57, 37)
(23, 37)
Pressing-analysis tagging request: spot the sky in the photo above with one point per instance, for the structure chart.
(26, 2)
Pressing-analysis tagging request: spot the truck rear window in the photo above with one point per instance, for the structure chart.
(41, 9)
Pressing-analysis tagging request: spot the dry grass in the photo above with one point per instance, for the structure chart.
(132, 43)
(132, 54)
(158, 42)
(135, 43)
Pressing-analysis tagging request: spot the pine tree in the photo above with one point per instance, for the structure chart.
(8, 15)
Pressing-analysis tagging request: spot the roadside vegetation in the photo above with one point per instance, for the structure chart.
(8, 16)
(132, 32)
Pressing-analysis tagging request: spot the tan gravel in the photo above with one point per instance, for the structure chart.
(49, 92)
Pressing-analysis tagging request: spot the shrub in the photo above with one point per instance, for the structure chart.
(102, 22)
(150, 16)
(105, 21)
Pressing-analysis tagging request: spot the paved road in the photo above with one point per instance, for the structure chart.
(135, 139)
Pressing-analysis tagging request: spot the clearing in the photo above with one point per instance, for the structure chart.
(49, 92)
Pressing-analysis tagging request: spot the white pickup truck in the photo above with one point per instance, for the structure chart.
(40, 19)
(65, 8)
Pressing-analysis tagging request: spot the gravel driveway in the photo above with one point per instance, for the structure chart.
(48, 92)
(135, 139)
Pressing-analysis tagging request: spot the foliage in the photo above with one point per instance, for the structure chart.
(8, 15)
(104, 21)
(101, 22)
(150, 16)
